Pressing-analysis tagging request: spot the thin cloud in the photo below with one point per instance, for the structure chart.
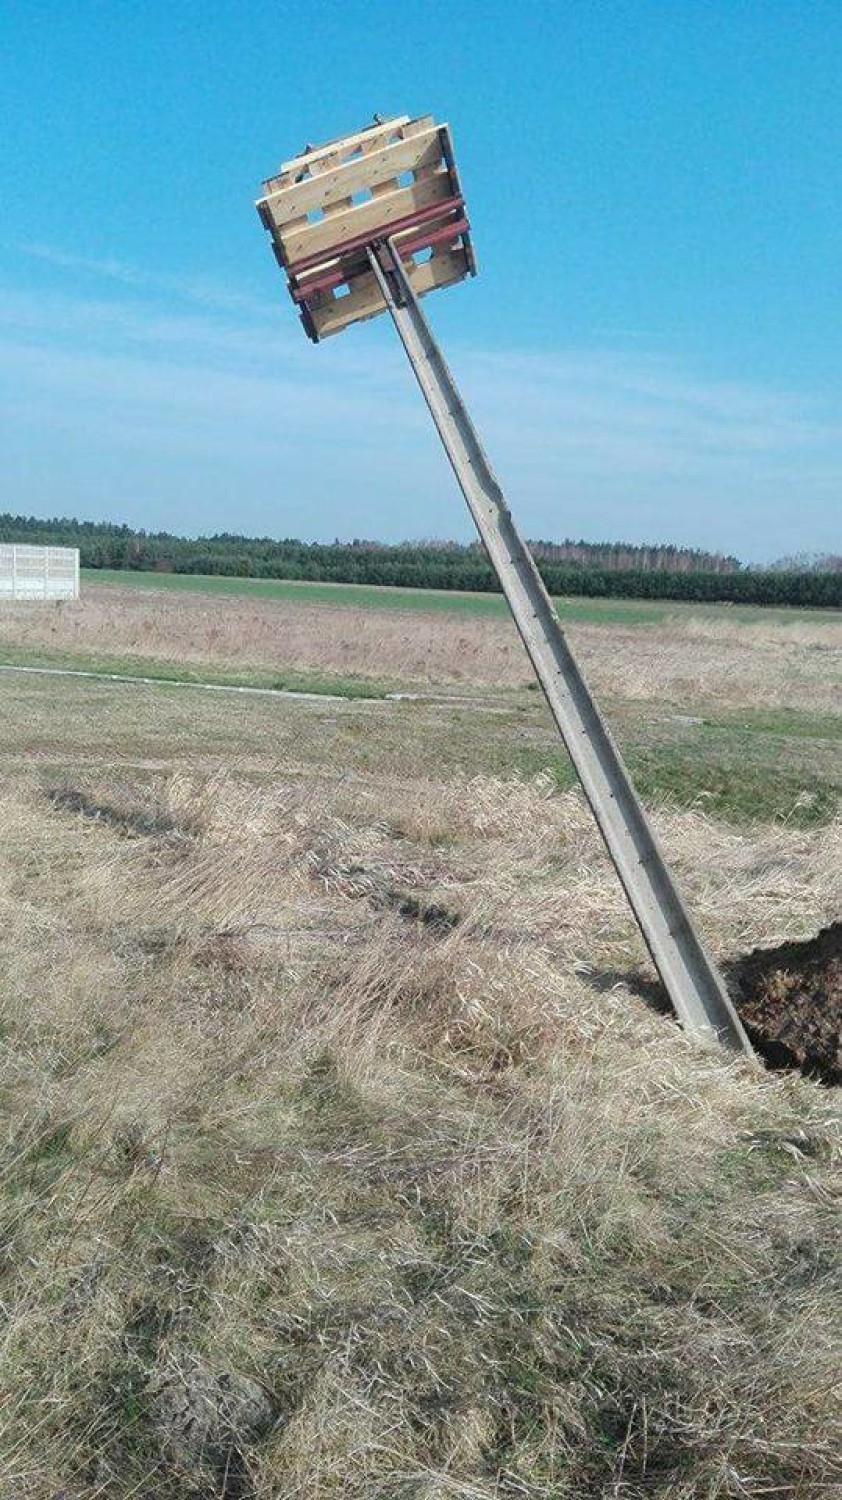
(197, 416)
(200, 290)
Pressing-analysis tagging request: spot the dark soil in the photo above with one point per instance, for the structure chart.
(790, 1002)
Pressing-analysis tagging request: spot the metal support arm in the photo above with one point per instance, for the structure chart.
(693, 981)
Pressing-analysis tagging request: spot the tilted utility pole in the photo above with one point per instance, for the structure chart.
(355, 218)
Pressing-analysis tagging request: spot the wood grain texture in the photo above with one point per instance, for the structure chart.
(375, 168)
(317, 154)
(366, 301)
(364, 218)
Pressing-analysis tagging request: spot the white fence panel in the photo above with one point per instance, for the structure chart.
(38, 572)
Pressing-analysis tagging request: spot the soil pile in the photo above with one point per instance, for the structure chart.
(790, 1002)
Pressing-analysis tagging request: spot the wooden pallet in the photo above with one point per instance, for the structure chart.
(397, 178)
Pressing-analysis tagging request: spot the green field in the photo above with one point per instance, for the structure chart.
(596, 611)
(749, 766)
(738, 724)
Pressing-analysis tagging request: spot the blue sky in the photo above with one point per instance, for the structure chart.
(652, 349)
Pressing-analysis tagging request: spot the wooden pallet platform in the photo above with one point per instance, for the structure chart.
(396, 178)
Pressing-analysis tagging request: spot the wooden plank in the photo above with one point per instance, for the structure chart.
(378, 167)
(363, 218)
(414, 127)
(365, 300)
(344, 143)
(440, 236)
(331, 212)
(319, 158)
(350, 148)
(381, 167)
(440, 223)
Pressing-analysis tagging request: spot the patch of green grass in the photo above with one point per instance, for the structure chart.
(452, 601)
(370, 596)
(170, 671)
(354, 594)
(742, 779)
(788, 723)
(754, 1168)
(758, 767)
(736, 788)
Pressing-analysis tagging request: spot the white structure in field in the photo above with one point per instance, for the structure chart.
(38, 572)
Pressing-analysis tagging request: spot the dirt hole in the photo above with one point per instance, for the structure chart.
(790, 1001)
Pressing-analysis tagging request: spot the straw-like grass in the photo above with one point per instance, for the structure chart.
(344, 1159)
(344, 1154)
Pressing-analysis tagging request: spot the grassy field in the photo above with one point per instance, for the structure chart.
(739, 719)
(347, 1153)
(698, 659)
(363, 596)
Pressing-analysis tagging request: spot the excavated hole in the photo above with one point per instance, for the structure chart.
(790, 1001)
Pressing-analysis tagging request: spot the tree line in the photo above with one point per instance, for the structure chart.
(608, 570)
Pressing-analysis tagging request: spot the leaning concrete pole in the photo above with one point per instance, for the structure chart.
(376, 267)
(692, 979)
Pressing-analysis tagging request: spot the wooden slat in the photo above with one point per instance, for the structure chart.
(378, 167)
(320, 158)
(344, 143)
(331, 212)
(365, 299)
(364, 218)
(414, 127)
(442, 223)
(440, 237)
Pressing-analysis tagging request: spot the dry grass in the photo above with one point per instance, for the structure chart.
(342, 1157)
(688, 660)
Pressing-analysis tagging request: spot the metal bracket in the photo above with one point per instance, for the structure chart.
(693, 981)
(385, 254)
